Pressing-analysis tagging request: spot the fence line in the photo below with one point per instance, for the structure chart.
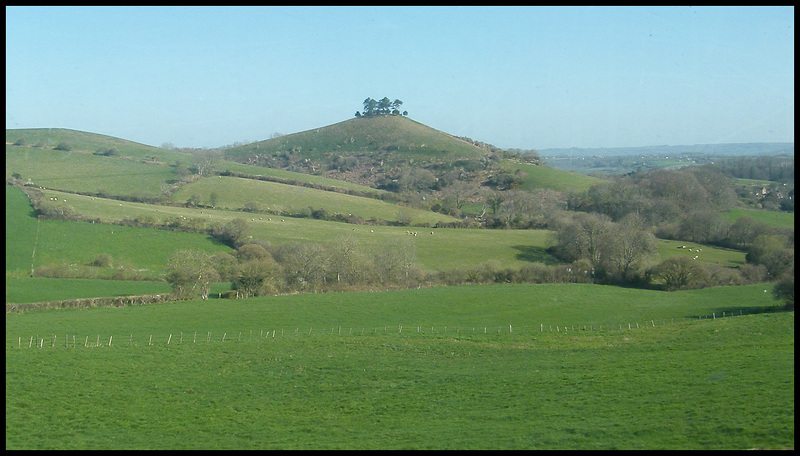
(38, 342)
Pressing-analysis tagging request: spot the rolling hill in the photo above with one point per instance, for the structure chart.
(392, 139)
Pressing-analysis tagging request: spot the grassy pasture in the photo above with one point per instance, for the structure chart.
(556, 179)
(772, 218)
(49, 138)
(710, 254)
(300, 177)
(40, 289)
(58, 242)
(445, 249)
(722, 383)
(21, 229)
(233, 193)
(144, 249)
(79, 171)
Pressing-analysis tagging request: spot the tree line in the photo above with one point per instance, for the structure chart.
(381, 107)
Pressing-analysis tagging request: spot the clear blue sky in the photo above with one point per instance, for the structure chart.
(515, 77)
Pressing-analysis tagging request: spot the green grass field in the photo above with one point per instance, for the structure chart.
(21, 227)
(417, 369)
(40, 289)
(552, 178)
(771, 218)
(449, 247)
(234, 193)
(505, 366)
(299, 177)
(81, 141)
(401, 137)
(78, 171)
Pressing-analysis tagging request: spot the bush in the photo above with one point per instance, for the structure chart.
(784, 290)
(680, 273)
(63, 146)
(102, 260)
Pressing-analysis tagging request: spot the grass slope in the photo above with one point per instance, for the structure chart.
(772, 218)
(48, 138)
(398, 138)
(59, 242)
(79, 171)
(552, 178)
(445, 249)
(722, 383)
(234, 193)
(313, 180)
(21, 231)
(39, 289)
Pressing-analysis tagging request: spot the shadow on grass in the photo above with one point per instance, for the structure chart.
(736, 311)
(534, 254)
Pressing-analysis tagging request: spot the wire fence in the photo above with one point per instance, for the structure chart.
(196, 337)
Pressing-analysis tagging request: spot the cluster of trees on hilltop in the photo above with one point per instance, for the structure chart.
(382, 107)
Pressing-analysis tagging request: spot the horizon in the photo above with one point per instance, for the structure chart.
(653, 146)
(529, 78)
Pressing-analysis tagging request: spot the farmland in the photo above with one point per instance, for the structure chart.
(511, 365)
(451, 368)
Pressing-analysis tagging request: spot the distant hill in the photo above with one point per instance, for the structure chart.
(709, 149)
(81, 141)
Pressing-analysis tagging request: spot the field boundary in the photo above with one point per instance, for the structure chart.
(85, 303)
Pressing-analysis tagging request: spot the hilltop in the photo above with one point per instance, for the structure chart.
(367, 150)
